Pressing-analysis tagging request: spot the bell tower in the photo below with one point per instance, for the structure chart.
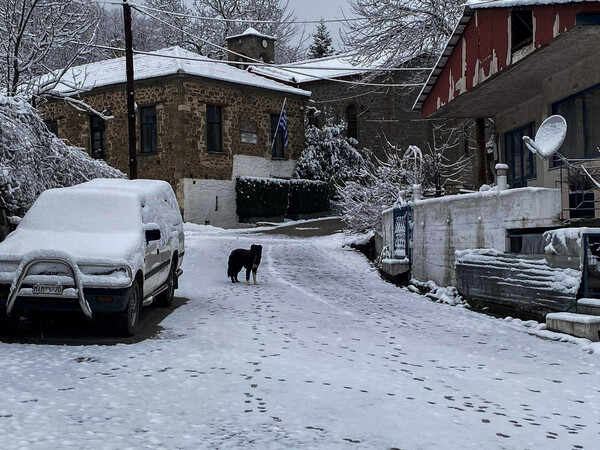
(252, 45)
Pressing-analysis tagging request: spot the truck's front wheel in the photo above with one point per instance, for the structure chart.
(127, 321)
(8, 324)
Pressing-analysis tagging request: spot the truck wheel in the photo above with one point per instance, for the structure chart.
(127, 321)
(8, 324)
(165, 298)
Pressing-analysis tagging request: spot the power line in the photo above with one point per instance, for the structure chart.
(221, 19)
(263, 64)
(259, 62)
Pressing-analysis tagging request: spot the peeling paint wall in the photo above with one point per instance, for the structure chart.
(484, 47)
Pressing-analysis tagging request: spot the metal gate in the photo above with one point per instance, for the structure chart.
(402, 233)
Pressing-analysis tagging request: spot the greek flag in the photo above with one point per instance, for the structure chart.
(283, 126)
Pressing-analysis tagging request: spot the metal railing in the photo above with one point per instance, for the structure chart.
(579, 181)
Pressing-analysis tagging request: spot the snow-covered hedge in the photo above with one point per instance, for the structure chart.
(261, 197)
(308, 197)
(270, 197)
(32, 159)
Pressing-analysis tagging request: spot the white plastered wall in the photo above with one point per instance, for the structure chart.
(213, 201)
(459, 222)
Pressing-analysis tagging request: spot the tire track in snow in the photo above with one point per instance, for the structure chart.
(276, 274)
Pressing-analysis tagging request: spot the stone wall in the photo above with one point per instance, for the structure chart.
(382, 113)
(385, 117)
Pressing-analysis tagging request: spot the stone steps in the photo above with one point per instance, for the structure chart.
(579, 325)
(589, 306)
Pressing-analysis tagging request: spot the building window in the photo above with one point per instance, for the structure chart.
(582, 113)
(351, 121)
(521, 28)
(276, 141)
(213, 129)
(149, 135)
(98, 141)
(521, 162)
(52, 126)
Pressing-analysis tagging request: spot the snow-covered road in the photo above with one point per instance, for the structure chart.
(321, 354)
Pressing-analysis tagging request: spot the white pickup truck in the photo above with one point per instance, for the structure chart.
(107, 246)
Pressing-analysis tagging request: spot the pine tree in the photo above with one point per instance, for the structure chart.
(321, 47)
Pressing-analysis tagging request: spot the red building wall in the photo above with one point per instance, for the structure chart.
(484, 47)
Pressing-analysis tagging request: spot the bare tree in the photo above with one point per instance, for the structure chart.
(394, 31)
(35, 35)
(391, 181)
(176, 24)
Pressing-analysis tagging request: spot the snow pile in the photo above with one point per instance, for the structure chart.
(530, 271)
(431, 290)
(566, 241)
(32, 159)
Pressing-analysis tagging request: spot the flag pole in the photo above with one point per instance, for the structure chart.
(278, 122)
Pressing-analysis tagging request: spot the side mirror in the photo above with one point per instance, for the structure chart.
(152, 235)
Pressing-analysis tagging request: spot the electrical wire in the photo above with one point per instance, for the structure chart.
(221, 19)
(259, 62)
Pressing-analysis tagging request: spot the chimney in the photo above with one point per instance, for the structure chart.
(501, 172)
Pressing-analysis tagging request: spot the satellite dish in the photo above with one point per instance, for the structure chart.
(549, 137)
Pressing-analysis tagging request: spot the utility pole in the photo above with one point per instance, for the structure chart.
(129, 87)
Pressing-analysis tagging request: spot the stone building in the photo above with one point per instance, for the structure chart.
(378, 109)
(200, 124)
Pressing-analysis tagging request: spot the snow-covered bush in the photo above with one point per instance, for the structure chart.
(32, 159)
(390, 182)
(307, 197)
(261, 197)
(330, 156)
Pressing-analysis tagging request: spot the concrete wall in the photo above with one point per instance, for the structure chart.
(213, 202)
(459, 222)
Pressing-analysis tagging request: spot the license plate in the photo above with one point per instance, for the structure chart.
(55, 289)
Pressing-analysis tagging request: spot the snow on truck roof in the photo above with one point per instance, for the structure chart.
(168, 61)
(85, 210)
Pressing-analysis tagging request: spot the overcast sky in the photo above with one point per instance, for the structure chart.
(328, 9)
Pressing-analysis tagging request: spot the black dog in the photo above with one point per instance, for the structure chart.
(250, 259)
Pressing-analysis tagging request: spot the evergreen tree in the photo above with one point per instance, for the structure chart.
(321, 47)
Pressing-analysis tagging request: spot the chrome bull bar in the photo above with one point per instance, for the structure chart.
(14, 293)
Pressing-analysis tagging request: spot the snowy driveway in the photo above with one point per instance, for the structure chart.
(321, 354)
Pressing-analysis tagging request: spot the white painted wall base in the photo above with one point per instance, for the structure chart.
(213, 202)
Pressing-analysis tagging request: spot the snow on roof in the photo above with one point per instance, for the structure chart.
(312, 69)
(476, 4)
(251, 32)
(168, 61)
